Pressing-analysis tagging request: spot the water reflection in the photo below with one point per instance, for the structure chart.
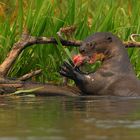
(63, 118)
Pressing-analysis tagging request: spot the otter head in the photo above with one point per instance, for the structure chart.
(96, 47)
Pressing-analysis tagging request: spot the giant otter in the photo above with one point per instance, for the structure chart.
(116, 75)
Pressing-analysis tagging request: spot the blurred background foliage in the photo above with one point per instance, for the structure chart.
(46, 17)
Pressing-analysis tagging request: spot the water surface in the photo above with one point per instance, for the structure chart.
(65, 118)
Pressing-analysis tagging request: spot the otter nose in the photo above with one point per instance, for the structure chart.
(82, 49)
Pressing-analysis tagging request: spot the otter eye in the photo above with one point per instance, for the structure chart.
(91, 44)
(109, 39)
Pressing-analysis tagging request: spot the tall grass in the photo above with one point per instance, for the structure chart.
(46, 17)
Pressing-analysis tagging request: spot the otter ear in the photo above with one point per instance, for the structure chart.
(109, 39)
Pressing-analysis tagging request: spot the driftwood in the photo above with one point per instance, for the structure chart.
(10, 86)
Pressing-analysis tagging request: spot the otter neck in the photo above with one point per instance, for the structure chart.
(117, 61)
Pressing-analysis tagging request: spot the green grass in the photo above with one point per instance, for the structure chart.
(46, 17)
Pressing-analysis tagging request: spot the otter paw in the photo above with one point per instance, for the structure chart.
(66, 70)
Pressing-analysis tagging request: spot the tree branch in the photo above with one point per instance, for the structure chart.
(13, 54)
(30, 75)
(27, 40)
(131, 44)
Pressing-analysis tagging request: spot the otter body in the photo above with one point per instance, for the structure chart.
(116, 75)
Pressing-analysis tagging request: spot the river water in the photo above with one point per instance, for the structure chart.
(65, 118)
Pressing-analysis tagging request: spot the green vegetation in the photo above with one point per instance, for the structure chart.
(46, 17)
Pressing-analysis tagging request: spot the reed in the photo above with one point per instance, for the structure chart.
(46, 17)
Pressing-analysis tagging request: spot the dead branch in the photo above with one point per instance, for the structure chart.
(132, 36)
(30, 75)
(13, 54)
(27, 40)
(9, 85)
(131, 44)
(76, 43)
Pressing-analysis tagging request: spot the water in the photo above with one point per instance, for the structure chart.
(64, 118)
